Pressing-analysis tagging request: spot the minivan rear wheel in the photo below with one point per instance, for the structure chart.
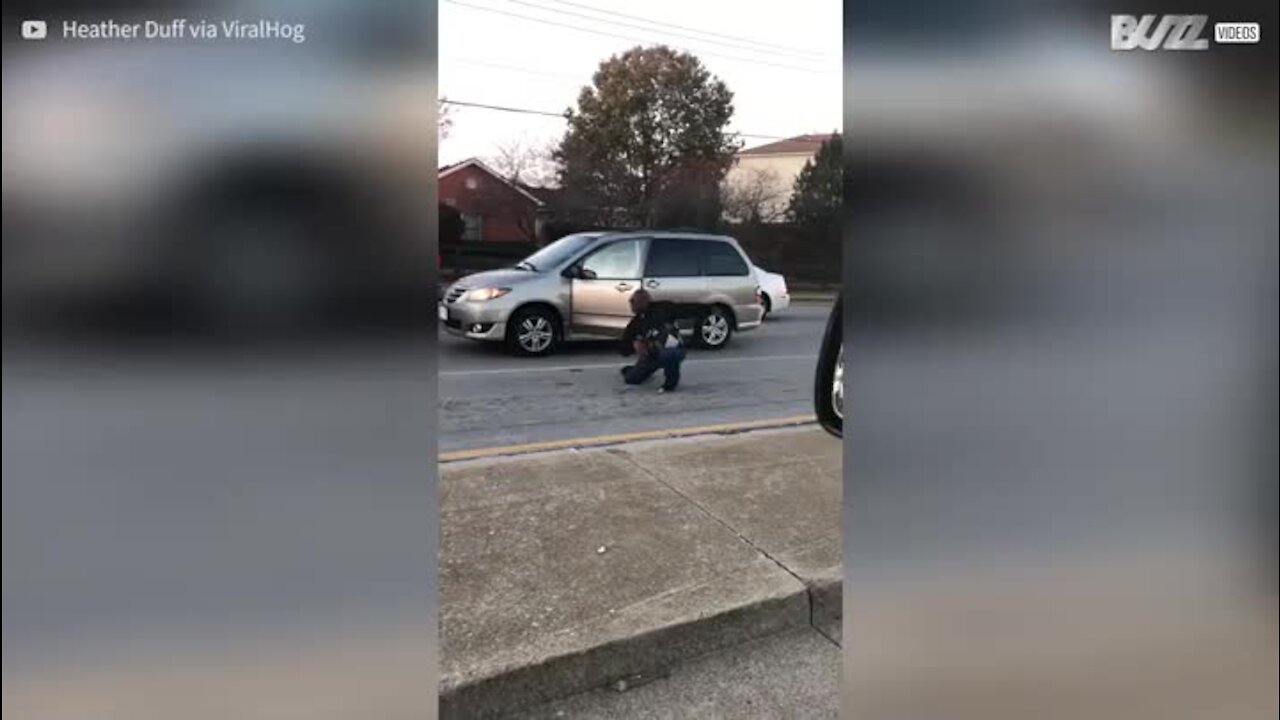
(533, 332)
(714, 329)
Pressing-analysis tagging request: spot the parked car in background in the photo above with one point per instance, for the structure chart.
(773, 291)
(579, 287)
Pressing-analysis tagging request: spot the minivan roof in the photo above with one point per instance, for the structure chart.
(666, 234)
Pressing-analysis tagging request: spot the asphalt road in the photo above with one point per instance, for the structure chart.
(490, 399)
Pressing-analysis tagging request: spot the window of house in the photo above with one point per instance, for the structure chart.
(473, 227)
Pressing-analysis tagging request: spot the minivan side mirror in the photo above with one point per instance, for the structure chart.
(828, 386)
(572, 272)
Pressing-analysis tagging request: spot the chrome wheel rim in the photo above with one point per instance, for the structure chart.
(715, 328)
(535, 334)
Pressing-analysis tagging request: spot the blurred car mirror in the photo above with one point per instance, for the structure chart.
(828, 388)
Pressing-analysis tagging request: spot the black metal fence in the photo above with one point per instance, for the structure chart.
(804, 255)
(457, 260)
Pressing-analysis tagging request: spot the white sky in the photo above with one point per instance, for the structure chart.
(782, 62)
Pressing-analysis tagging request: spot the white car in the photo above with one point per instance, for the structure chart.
(773, 288)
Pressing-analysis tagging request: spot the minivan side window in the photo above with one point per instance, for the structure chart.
(720, 259)
(616, 261)
(669, 257)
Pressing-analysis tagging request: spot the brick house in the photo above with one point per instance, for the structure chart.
(493, 209)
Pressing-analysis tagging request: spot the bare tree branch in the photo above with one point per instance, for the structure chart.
(444, 118)
(756, 195)
(521, 161)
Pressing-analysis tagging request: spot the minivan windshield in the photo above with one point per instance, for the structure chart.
(555, 254)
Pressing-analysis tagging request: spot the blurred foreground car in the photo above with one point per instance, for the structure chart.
(235, 182)
(773, 291)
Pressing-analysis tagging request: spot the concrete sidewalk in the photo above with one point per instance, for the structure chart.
(570, 570)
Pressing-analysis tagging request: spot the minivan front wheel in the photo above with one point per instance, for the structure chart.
(714, 328)
(533, 332)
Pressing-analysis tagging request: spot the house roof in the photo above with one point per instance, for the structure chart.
(448, 170)
(548, 195)
(791, 146)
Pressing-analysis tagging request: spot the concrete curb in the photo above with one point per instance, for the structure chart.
(619, 439)
(627, 661)
(643, 657)
(826, 608)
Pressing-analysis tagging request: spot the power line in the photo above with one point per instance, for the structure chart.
(735, 46)
(580, 81)
(547, 113)
(631, 38)
(690, 29)
(502, 108)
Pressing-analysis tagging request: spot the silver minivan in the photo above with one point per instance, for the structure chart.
(579, 287)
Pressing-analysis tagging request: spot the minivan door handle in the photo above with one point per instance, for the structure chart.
(652, 284)
(623, 287)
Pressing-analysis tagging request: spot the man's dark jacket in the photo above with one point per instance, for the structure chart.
(655, 323)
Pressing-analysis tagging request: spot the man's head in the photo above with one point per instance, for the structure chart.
(640, 300)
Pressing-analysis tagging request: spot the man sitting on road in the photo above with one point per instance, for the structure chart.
(652, 336)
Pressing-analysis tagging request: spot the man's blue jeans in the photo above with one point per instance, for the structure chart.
(668, 359)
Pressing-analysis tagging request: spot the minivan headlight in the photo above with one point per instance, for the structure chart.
(483, 294)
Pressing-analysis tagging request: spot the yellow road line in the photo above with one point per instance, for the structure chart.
(598, 440)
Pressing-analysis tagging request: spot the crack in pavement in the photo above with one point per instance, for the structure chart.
(720, 521)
